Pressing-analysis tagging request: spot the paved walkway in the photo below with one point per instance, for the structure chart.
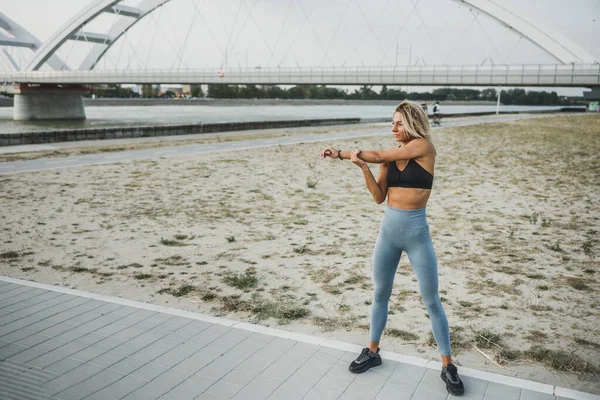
(193, 149)
(58, 343)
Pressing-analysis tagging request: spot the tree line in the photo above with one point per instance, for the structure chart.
(322, 92)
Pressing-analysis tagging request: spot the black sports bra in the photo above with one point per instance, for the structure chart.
(413, 176)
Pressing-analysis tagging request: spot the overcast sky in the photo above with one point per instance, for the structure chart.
(271, 33)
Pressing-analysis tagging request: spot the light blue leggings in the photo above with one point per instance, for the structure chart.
(407, 230)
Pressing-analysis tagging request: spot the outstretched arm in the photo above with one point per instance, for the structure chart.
(414, 149)
(377, 188)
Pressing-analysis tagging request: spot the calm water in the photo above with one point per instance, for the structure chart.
(101, 117)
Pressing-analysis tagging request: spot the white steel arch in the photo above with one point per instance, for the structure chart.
(23, 38)
(549, 40)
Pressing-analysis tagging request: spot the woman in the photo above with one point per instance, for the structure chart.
(405, 178)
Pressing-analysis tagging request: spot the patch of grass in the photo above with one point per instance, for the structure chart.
(536, 336)
(535, 276)
(243, 281)
(25, 269)
(262, 308)
(587, 343)
(328, 324)
(399, 333)
(10, 255)
(542, 287)
(540, 307)
(132, 265)
(485, 339)
(82, 269)
(172, 261)
(230, 239)
(179, 292)
(181, 237)
(556, 247)
(578, 284)
(172, 242)
(560, 360)
(587, 247)
(142, 276)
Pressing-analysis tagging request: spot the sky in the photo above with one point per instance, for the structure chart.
(313, 33)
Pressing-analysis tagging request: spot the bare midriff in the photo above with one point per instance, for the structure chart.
(408, 198)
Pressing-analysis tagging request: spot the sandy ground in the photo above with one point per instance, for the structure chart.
(280, 237)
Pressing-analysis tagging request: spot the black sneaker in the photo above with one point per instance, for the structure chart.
(453, 383)
(365, 360)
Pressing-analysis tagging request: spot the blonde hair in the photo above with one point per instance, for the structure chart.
(414, 119)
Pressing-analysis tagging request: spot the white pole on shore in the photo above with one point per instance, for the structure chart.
(498, 102)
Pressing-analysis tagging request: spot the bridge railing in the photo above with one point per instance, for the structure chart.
(435, 75)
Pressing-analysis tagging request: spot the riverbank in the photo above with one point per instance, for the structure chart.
(106, 102)
(230, 234)
(137, 131)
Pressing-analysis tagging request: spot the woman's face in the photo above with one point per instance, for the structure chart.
(398, 128)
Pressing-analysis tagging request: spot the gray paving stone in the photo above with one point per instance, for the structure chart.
(198, 326)
(89, 339)
(372, 378)
(182, 334)
(186, 348)
(255, 363)
(63, 366)
(331, 386)
(246, 349)
(202, 339)
(106, 360)
(223, 390)
(89, 386)
(87, 354)
(315, 394)
(306, 376)
(165, 382)
(360, 391)
(26, 355)
(427, 391)
(409, 371)
(262, 384)
(279, 371)
(149, 371)
(127, 348)
(145, 339)
(192, 364)
(10, 350)
(71, 378)
(148, 353)
(474, 385)
(118, 389)
(531, 395)
(217, 330)
(141, 394)
(239, 377)
(194, 385)
(502, 392)
(293, 359)
(401, 384)
(170, 359)
(209, 396)
(127, 365)
(394, 395)
(56, 355)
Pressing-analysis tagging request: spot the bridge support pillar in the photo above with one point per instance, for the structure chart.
(47, 101)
